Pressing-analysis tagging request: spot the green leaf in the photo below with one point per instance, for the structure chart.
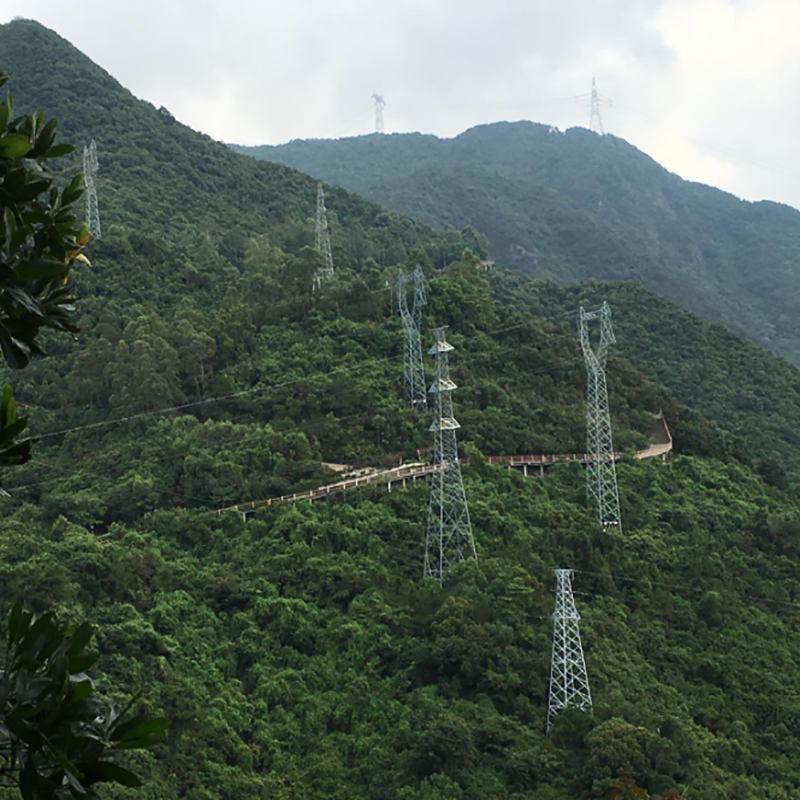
(41, 270)
(73, 191)
(141, 731)
(77, 691)
(58, 150)
(108, 771)
(19, 619)
(66, 764)
(14, 145)
(8, 409)
(10, 432)
(38, 635)
(79, 639)
(82, 662)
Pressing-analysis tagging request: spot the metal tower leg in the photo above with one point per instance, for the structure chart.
(449, 537)
(413, 368)
(601, 472)
(322, 239)
(569, 681)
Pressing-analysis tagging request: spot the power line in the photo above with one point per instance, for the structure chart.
(250, 391)
(261, 389)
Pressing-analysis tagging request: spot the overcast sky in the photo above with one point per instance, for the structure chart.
(709, 88)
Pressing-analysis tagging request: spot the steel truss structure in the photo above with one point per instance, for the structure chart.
(449, 537)
(413, 368)
(601, 471)
(569, 682)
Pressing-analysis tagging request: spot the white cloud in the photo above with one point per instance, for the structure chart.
(686, 75)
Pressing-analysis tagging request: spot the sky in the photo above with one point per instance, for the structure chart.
(706, 87)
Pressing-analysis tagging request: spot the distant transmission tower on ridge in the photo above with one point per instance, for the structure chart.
(322, 239)
(595, 122)
(449, 537)
(569, 682)
(91, 208)
(413, 369)
(601, 471)
(380, 104)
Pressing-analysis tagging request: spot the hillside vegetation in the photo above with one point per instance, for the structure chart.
(159, 177)
(751, 393)
(302, 655)
(574, 205)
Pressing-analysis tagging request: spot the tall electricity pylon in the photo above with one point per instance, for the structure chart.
(569, 682)
(91, 208)
(449, 537)
(413, 369)
(322, 240)
(595, 123)
(380, 104)
(601, 471)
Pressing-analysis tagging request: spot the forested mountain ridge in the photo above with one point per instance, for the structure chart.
(575, 205)
(302, 655)
(162, 178)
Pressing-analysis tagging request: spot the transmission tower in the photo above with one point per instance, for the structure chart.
(322, 240)
(601, 471)
(380, 104)
(413, 369)
(595, 122)
(449, 537)
(92, 210)
(569, 683)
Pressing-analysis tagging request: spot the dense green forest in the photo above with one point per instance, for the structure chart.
(301, 655)
(744, 389)
(575, 205)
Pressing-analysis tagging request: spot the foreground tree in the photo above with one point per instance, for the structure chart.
(39, 241)
(57, 739)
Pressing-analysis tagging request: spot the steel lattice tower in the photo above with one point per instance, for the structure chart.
(92, 210)
(322, 239)
(569, 682)
(380, 104)
(413, 369)
(449, 537)
(601, 471)
(595, 122)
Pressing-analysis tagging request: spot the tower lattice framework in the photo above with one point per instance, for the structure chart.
(449, 537)
(601, 471)
(380, 104)
(322, 239)
(595, 121)
(91, 208)
(413, 368)
(569, 681)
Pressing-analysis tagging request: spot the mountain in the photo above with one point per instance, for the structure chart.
(300, 654)
(536, 192)
(162, 178)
